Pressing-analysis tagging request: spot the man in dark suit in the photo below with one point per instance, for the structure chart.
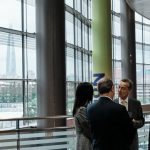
(111, 126)
(133, 107)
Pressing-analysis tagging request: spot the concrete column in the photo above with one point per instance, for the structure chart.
(128, 50)
(51, 74)
(101, 37)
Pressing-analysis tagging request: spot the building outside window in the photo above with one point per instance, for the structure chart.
(17, 59)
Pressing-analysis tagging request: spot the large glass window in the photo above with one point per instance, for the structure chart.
(69, 28)
(18, 95)
(70, 64)
(116, 6)
(142, 30)
(79, 61)
(142, 58)
(116, 44)
(11, 55)
(116, 25)
(78, 46)
(69, 2)
(146, 34)
(11, 19)
(139, 53)
(139, 33)
(78, 35)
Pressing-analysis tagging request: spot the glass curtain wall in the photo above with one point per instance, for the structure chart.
(78, 46)
(116, 43)
(17, 59)
(142, 58)
(142, 52)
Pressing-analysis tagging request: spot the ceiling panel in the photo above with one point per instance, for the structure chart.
(140, 6)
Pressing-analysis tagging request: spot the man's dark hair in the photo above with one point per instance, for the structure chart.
(105, 85)
(129, 82)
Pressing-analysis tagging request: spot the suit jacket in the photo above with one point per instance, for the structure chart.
(82, 130)
(135, 112)
(111, 126)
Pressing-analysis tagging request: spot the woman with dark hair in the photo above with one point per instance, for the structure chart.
(83, 96)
